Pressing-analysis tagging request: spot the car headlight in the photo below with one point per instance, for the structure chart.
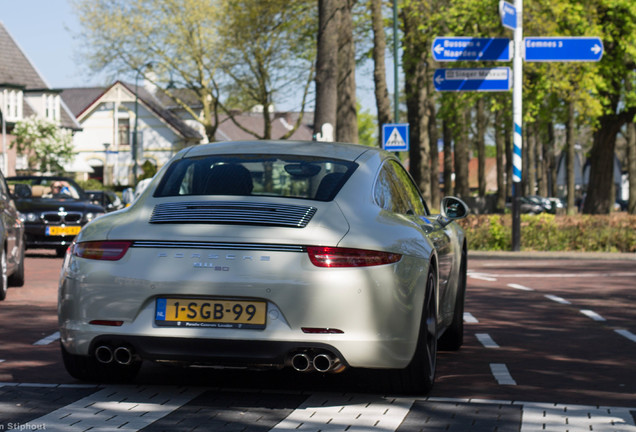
(90, 216)
(29, 217)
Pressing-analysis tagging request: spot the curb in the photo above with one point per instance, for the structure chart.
(597, 256)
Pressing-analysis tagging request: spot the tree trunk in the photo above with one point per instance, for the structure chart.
(462, 188)
(448, 158)
(434, 134)
(383, 103)
(599, 199)
(500, 146)
(542, 169)
(481, 147)
(551, 166)
(569, 161)
(631, 168)
(347, 115)
(414, 60)
(327, 69)
(509, 165)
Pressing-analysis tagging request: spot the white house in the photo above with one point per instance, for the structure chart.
(108, 121)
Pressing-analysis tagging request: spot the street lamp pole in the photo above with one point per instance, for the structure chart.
(136, 128)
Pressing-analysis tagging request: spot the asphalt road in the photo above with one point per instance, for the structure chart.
(550, 344)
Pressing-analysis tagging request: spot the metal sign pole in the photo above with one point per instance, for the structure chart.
(517, 122)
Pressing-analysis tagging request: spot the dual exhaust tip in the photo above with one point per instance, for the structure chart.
(322, 362)
(121, 355)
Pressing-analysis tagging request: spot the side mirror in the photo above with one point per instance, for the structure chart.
(454, 208)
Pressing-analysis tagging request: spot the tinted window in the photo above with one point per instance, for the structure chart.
(265, 175)
(395, 191)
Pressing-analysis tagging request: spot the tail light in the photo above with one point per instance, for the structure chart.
(322, 256)
(101, 250)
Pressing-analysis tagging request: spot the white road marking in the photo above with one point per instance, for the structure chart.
(469, 318)
(626, 333)
(482, 276)
(120, 408)
(347, 412)
(501, 374)
(557, 299)
(592, 314)
(49, 339)
(520, 287)
(554, 275)
(486, 340)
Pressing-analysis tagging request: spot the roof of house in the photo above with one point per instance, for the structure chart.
(80, 99)
(17, 70)
(283, 122)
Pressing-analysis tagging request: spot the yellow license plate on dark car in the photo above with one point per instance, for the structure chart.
(214, 313)
(63, 230)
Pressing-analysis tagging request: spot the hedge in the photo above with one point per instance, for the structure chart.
(545, 232)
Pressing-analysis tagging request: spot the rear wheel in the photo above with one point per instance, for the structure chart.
(453, 337)
(17, 278)
(4, 284)
(419, 375)
(87, 368)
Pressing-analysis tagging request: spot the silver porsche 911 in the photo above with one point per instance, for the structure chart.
(308, 255)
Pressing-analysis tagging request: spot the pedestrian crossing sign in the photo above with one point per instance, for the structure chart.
(395, 137)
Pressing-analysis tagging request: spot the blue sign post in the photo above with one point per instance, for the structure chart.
(471, 49)
(395, 137)
(508, 13)
(484, 79)
(563, 49)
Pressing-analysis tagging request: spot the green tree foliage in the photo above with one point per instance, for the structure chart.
(47, 146)
(228, 54)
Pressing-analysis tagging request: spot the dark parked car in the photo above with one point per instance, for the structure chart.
(54, 210)
(12, 238)
(105, 198)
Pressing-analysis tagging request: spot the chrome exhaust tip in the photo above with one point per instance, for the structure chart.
(123, 356)
(104, 354)
(301, 362)
(323, 362)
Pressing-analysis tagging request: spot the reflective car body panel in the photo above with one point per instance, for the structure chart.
(11, 240)
(199, 249)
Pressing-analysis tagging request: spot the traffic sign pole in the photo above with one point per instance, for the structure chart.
(517, 121)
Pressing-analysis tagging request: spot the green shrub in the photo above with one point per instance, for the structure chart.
(545, 232)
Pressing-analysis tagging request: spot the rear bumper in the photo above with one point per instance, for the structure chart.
(214, 352)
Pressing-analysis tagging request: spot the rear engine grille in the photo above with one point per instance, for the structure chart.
(233, 212)
(158, 244)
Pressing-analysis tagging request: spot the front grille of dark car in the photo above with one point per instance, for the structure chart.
(234, 213)
(56, 218)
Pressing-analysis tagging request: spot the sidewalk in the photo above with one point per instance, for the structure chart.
(598, 256)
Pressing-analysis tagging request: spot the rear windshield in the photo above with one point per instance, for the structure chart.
(312, 178)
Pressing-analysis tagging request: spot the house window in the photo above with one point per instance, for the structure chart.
(123, 129)
(52, 107)
(12, 104)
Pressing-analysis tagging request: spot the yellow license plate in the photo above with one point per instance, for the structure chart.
(215, 313)
(63, 230)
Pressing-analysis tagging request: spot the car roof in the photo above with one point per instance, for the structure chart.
(342, 151)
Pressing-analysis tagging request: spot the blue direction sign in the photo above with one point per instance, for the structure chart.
(562, 49)
(395, 137)
(508, 13)
(471, 49)
(485, 79)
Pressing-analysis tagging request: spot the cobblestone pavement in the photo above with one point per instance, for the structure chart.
(79, 408)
